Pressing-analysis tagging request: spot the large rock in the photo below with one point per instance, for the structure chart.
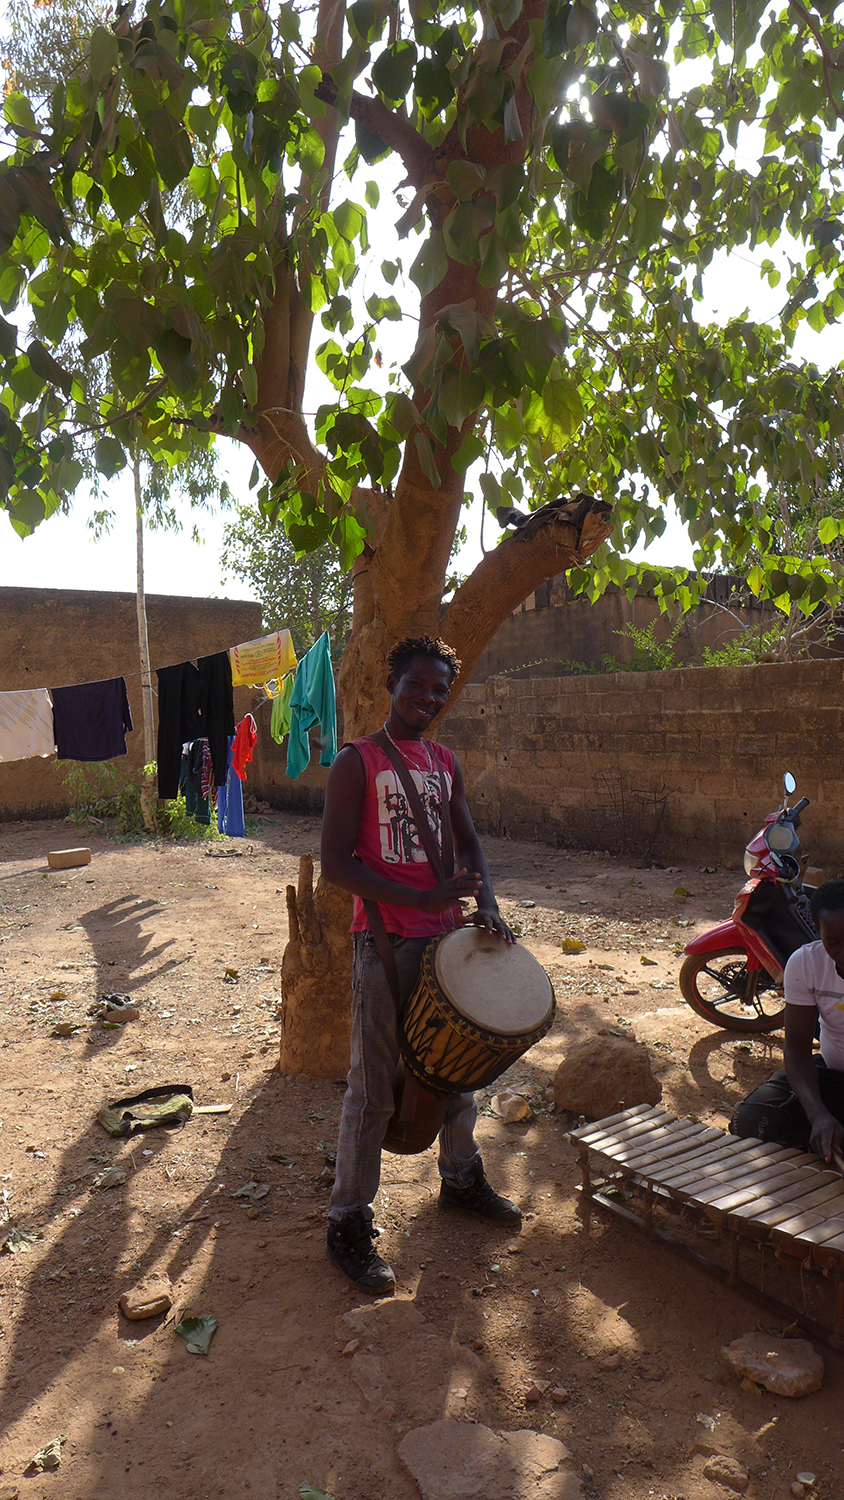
(465, 1461)
(604, 1073)
(787, 1367)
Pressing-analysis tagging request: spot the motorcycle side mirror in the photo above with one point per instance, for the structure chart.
(789, 783)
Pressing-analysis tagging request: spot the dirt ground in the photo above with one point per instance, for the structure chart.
(278, 1403)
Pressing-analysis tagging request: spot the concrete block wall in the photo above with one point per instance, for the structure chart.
(665, 762)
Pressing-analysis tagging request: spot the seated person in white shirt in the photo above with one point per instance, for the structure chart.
(802, 1105)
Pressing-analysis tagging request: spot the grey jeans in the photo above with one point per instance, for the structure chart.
(368, 1101)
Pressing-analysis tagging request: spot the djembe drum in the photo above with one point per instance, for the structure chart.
(478, 1005)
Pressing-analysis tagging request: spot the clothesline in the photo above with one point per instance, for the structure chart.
(88, 721)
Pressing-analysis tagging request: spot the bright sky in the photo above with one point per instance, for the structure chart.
(63, 553)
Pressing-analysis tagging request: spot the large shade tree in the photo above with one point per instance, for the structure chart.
(180, 205)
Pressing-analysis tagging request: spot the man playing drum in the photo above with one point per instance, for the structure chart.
(371, 847)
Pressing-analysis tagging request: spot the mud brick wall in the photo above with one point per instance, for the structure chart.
(682, 764)
(57, 637)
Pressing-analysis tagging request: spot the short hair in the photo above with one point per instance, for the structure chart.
(828, 897)
(404, 651)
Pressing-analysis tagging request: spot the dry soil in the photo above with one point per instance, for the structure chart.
(194, 933)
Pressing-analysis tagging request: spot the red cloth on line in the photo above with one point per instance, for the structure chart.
(244, 744)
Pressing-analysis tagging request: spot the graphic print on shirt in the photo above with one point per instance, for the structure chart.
(400, 842)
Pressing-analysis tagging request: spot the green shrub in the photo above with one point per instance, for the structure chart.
(106, 793)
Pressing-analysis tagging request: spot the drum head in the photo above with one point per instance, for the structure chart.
(495, 984)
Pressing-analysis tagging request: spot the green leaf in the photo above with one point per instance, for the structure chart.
(392, 71)
(103, 55)
(48, 368)
(582, 26)
(349, 220)
(175, 356)
(249, 377)
(18, 110)
(425, 452)
(372, 194)
(140, 322)
(460, 395)
(8, 339)
(471, 449)
(555, 29)
(240, 78)
(512, 124)
(465, 178)
(371, 147)
(430, 265)
(433, 87)
(198, 1333)
(308, 1492)
(109, 457)
(383, 307)
(495, 262)
(366, 20)
(828, 531)
(576, 148)
(126, 195)
(171, 146)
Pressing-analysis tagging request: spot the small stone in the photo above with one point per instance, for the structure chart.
(149, 1299)
(533, 1395)
(477, 1345)
(727, 1471)
(786, 1367)
(609, 1362)
(751, 1387)
(798, 1490)
(252, 1213)
(559, 1395)
(351, 1348)
(805, 1477)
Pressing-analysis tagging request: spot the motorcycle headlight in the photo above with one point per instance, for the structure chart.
(751, 862)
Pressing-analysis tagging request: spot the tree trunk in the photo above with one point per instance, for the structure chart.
(316, 978)
(400, 577)
(147, 783)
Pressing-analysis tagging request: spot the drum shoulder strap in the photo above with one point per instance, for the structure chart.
(441, 861)
(385, 951)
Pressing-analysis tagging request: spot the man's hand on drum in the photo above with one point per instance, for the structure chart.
(491, 920)
(464, 883)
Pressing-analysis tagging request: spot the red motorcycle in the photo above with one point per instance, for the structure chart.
(733, 973)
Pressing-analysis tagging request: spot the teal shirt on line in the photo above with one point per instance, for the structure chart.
(312, 702)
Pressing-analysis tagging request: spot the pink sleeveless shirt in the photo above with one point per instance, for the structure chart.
(388, 842)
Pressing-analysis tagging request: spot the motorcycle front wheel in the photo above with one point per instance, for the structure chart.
(721, 989)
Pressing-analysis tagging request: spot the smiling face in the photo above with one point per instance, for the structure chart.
(831, 931)
(417, 696)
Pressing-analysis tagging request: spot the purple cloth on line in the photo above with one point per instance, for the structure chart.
(91, 719)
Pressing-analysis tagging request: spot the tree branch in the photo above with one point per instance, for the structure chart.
(390, 128)
(555, 538)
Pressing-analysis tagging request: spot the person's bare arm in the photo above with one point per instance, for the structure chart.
(340, 825)
(827, 1134)
(467, 849)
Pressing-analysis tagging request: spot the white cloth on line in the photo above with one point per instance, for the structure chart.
(26, 724)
